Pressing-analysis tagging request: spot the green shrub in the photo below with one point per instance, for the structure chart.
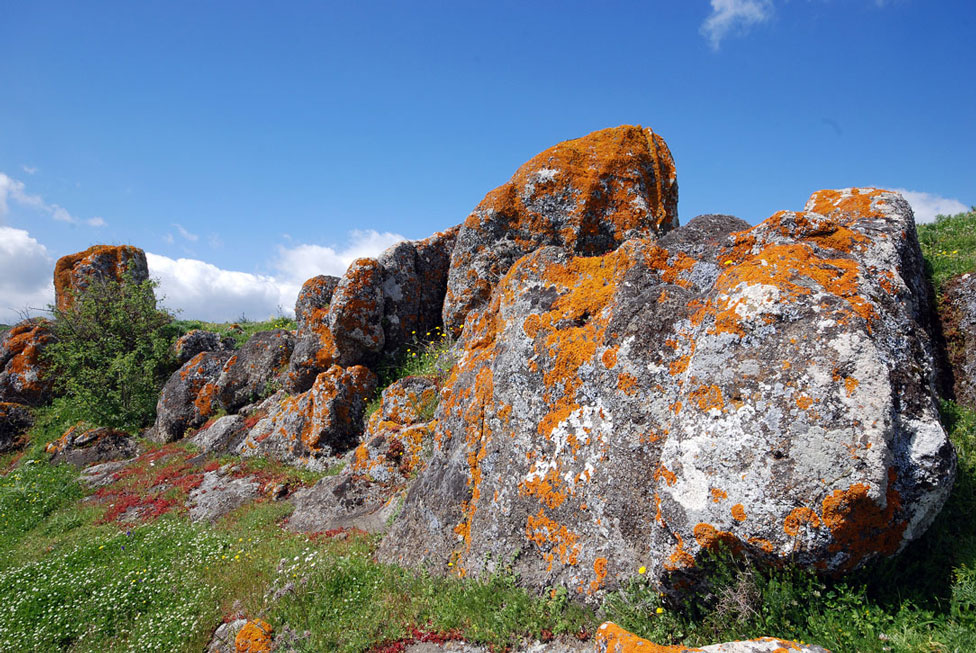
(112, 353)
(949, 246)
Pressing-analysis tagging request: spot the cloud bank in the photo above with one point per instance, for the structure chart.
(926, 205)
(12, 190)
(203, 291)
(734, 17)
(26, 275)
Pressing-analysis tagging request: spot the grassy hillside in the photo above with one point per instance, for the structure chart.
(72, 578)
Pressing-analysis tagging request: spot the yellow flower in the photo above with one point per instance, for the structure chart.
(660, 611)
(642, 570)
(728, 262)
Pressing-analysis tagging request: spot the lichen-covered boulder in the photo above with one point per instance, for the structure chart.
(22, 378)
(256, 636)
(314, 353)
(611, 638)
(587, 195)
(958, 313)
(223, 435)
(772, 391)
(314, 427)
(220, 493)
(256, 369)
(190, 397)
(15, 421)
(73, 273)
(314, 299)
(197, 341)
(82, 445)
(380, 304)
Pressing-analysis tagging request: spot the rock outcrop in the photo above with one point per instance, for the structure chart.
(958, 311)
(73, 273)
(586, 195)
(314, 299)
(22, 378)
(83, 445)
(769, 389)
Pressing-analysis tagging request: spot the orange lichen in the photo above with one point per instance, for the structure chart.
(679, 366)
(545, 488)
(609, 357)
(859, 525)
(627, 383)
(679, 558)
(613, 639)
(709, 537)
(850, 384)
(839, 205)
(797, 518)
(708, 397)
(600, 571)
(665, 473)
(553, 539)
(718, 495)
(804, 402)
(738, 512)
(254, 637)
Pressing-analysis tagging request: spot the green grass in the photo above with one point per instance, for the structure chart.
(426, 354)
(240, 330)
(949, 246)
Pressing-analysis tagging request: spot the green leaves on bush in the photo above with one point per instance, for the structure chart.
(112, 353)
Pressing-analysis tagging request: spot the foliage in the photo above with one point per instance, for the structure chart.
(428, 354)
(112, 353)
(949, 246)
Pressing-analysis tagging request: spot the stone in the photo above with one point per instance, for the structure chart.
(343, 502)
(315, 426)
(587, 195)
(313, 299)
(15, 421)
(958, 313)
(22, 371)
(74, 273)
(356, 313)
(224, 435)
(256, 370)
(220, 494)
(102, 474)
(314, 353)
(82, 445)
(190, 397)
(256, 636)
(775, 395)
(197, 341)
(611, 638)
(223, 637)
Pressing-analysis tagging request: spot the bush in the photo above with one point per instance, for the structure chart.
(112, 353)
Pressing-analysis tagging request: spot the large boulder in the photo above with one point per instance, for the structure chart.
(257, 369)
(22, 378)
(15, 421)
(73, 273)
(958, 312)
(587, 195)
(380, 304)
(314, 427)
(190, 397)
(771, 390)
(314, 298)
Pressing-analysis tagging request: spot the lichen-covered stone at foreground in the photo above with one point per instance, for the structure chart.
(82, 445)
(22, 378)
(611, 638)
(769, 389)
(587, 195)
(197, 341)
(73, 273)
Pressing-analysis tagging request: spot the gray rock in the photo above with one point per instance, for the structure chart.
(22, 378)
(958, 313)
(256, 369)
(223, 637)
(639, 408)
(75, 272)
(190, 397)
(223, 436)
(197, 341)
(313, 299)
(220, 494)
(81, 446)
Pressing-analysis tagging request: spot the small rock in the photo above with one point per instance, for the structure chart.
(75, 272)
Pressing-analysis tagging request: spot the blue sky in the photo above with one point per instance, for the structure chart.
(247, 146)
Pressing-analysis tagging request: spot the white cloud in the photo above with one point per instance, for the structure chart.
(204, 291)
(29, 169)
(737, 16)
(13, 190)
(186, 234)
(926, 205)
(26, 275)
